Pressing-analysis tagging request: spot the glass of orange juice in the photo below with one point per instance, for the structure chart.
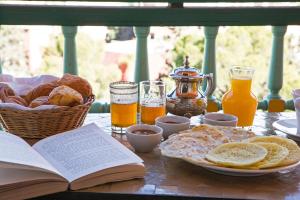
(239, 100)
(123, 105)
(152, 101)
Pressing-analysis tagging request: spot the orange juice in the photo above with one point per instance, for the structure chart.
(123, 115)
(240, 101)
(150, 113)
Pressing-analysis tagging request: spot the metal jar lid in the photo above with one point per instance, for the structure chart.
(186, 72)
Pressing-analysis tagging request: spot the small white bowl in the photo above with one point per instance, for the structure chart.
(220, 119)
(172, 124)
(144, 143)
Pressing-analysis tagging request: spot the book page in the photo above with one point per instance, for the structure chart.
(15, 151)
(85, 150)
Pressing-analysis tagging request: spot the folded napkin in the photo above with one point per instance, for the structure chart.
(22, 86)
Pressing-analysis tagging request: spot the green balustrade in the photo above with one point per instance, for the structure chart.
(289, 104)
(141, 72)
(275, 80)
(147, 16)
(1, 63)
(276, 66)
(143, 17)
(98, 107)
(209, 63)
(70, 59)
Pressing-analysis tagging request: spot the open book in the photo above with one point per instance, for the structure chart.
(76, 159)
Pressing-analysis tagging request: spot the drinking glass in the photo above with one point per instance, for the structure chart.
(123, 105)
(152, 101)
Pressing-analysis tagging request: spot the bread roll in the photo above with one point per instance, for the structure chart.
(65, 96)
(15, 99)
(5, 91)
(43, 100)
(77, 83)
(41, 90)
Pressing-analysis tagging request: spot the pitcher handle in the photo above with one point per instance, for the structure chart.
(209, 84)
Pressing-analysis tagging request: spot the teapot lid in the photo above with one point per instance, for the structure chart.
(186, 71)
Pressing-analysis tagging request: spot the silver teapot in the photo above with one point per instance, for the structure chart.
(187, 99)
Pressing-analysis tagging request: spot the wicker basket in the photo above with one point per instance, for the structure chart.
(43, 123)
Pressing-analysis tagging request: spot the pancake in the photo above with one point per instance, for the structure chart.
(237, 154)
(293, 148)
(276, 154)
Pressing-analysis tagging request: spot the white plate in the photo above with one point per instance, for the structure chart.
(247, 172)
(289, 127)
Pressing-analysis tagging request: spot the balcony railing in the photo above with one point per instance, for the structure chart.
(175, 14)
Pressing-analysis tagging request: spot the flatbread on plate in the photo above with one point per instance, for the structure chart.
(294, 150)
(195, 143)
(276, 154)
(237, 154)
(235, 134)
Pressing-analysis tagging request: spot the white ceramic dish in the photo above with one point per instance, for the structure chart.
(247, 172)
(289, 127)
(220, 119)
(144, 143)
(180, 124)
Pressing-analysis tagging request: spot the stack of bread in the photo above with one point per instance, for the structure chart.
(231, 147)
(70, 90)
(256, 153)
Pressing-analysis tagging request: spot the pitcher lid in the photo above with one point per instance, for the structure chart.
(186, 71)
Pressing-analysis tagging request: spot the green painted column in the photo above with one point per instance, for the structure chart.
(275, 80)
(276, 66)
(141, 72)
(1, 64)
(289, 104)
(209, 63)
(70, 60)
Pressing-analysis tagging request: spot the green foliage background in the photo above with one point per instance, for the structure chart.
(243, 46)
(89, 56)
(12, 55)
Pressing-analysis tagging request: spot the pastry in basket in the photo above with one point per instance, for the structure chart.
(77, 83)
(15, 99)
(65, 96)
(5, 91)
(43, 100)
(41, 90)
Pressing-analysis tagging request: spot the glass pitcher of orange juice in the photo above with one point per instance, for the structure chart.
(239, 100)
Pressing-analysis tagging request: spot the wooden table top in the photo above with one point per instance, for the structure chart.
(169, 178)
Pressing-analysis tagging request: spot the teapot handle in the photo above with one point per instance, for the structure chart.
(209, 85)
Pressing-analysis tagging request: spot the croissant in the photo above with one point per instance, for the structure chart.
(15, 99)
(5, 91)
(41, 90)
(65, 96)
(77, 83)
(43, 100)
